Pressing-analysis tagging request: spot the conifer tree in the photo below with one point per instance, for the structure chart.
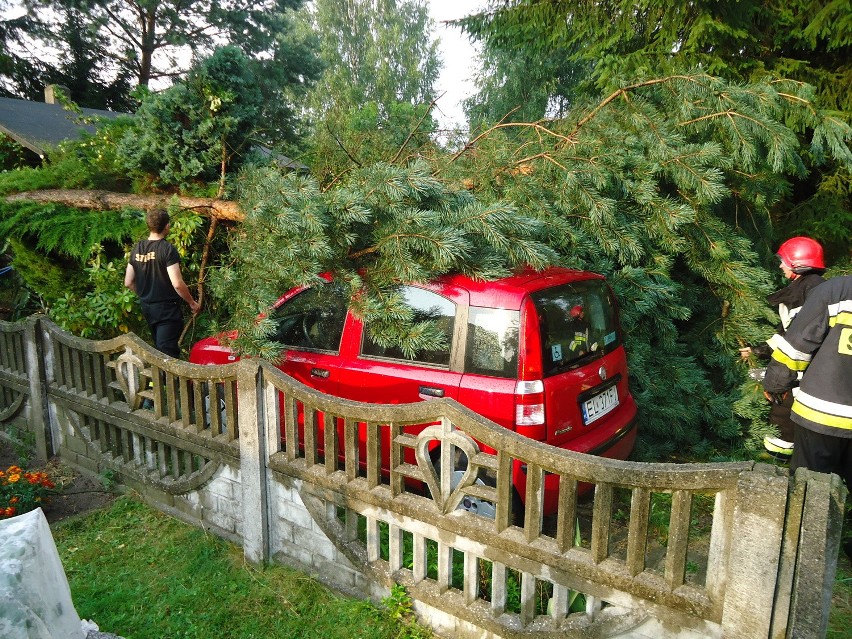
(660, 186)
(664, 186)
(383, 226)
(570, 47)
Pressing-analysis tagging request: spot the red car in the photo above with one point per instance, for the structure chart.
(539, 352)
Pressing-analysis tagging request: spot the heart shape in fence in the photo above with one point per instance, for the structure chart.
(128, 367)
(444, 493)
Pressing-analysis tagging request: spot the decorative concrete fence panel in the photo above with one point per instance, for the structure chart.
(22, 405)
(365, 496)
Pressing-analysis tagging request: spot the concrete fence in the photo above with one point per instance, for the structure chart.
(364, 496)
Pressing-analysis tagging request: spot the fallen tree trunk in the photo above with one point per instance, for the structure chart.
(106, 200)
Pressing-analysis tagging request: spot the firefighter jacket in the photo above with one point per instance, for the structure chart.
(789, 301)
(818, 343)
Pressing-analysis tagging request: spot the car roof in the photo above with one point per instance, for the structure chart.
(506, 292)
(509, 292)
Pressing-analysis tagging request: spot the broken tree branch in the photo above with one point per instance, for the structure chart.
(107, 200)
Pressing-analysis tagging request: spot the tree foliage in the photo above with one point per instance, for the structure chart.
(364, 135)
(670, 184)
(84, 70)
(667, 186)
(101, 49)
(733, 39)
(151, 37)
(664, 186)
(18, 72)
(374, 51)
(198, 130)
(61, 47)
(380, 65)
(383, 226)
(587, 47)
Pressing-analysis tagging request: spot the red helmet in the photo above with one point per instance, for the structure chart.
(576, 311)
(801, 254)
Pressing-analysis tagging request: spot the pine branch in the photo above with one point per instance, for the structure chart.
(415, 129)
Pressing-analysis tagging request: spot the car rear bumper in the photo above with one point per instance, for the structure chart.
(618, 446)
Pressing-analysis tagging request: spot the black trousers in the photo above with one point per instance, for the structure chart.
(166, 323)
(822, 453)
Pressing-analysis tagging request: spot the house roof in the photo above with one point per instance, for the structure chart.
(40, 125)
(282, 160)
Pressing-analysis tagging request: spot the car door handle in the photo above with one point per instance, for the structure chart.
(431, 391)
(319, 372)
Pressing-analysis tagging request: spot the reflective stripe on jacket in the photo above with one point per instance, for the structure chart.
(818, 343)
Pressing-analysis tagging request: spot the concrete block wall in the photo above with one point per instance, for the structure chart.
(220, 503)
(216, 506)
(297, 539)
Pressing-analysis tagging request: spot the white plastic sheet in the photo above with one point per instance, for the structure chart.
(35, 600)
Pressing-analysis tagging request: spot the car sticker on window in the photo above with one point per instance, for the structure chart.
(556, 352)
(609, 338)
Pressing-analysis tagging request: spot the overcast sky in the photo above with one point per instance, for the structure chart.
(459, 58)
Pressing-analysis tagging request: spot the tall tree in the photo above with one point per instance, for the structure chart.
(375, 51)
(198, 130)
(739, 40)
(19, 68)
(82, 68)
(734, 39)
(157, 38)
(663, 186)
(380, 64)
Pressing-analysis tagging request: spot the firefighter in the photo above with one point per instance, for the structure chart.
(802, 263)
(819, 345)
(579, 330)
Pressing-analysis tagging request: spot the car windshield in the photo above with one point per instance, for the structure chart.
(577, 322)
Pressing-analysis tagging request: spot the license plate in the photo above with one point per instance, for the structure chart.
(600, 404)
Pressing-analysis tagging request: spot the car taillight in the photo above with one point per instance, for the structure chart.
(529, 403)
(529, 389)
(529, 355)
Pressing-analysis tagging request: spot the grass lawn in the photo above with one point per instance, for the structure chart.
(144, 575)
(840, 622)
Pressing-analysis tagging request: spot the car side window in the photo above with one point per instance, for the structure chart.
(313, 319)
(492, 342)
(427, 306)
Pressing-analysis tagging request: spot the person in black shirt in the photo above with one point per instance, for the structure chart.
(153, 273)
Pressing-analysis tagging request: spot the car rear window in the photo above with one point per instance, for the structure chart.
(578, 323)
(492, 342)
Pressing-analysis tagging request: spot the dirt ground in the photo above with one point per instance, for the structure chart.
(77, 494)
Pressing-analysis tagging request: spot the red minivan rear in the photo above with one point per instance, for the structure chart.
(544, 356)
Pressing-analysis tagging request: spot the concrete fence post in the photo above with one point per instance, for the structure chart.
(757, 533)
(39, 413)
(816, 562)
(252, 435)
